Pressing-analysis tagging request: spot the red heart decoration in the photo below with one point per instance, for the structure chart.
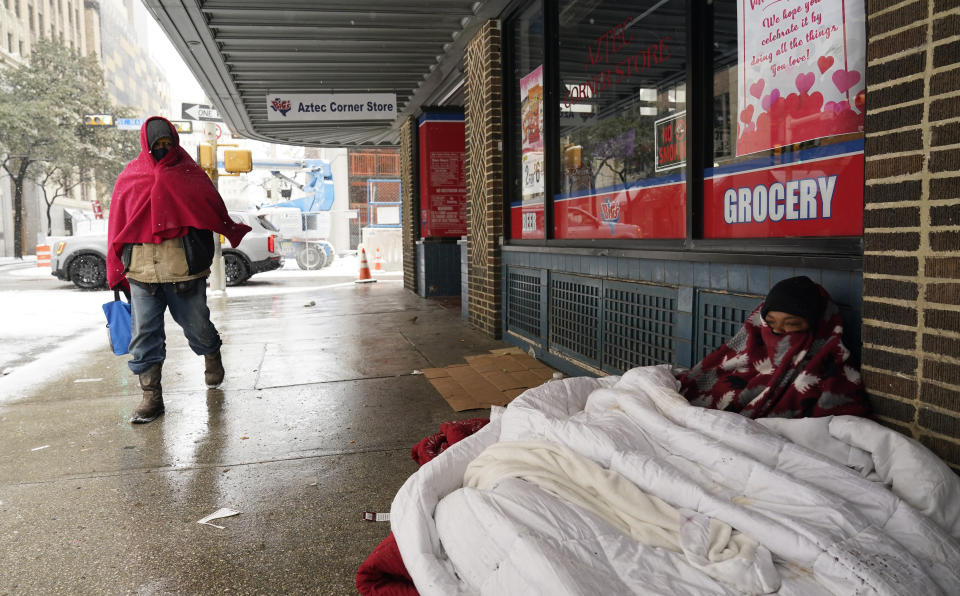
(771, 99)
(860, 100)
(824, 63)
(746, 116)
(756, 89)
(844, 79)
(805, 81)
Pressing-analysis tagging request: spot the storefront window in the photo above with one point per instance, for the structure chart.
(788, 103)
(527, 214)
(622, 119)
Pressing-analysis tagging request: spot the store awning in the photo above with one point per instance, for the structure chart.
(242, 50)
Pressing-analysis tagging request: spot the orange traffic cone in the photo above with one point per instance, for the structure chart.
(378, 261)
(365, 276)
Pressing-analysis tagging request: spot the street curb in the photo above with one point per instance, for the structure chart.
(12, 263)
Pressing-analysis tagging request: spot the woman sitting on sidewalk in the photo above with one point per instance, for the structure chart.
(788, 361)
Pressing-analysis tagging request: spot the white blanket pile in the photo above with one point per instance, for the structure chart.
(619, 486)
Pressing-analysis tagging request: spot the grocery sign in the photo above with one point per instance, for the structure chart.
(814, 192)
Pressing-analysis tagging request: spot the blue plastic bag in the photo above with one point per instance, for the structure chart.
(118, 324)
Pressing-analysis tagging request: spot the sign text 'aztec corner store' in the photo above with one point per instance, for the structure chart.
(784, 157)
(331, 107)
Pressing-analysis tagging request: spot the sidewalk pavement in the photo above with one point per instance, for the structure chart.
(312, 427)
(12, 263)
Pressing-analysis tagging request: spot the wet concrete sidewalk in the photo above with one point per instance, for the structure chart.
(312, 426)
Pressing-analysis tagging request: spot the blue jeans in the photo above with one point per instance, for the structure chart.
(189, 310)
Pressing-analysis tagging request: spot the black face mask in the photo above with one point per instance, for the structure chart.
(159, 152)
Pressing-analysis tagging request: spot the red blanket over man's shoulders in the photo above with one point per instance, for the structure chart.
(156, 200)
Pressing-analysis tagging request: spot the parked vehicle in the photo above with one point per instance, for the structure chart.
(83, 259)
(304, 223)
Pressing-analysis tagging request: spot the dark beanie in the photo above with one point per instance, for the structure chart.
(157, 129)
(798, 296)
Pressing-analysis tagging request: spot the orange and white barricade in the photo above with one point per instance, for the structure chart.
(43, 255)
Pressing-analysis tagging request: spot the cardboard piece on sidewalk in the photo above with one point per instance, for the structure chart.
(486, 380)
(510, 350)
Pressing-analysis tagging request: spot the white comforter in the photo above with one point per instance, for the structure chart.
(835, 505)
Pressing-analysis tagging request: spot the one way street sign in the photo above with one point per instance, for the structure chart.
(193, 111)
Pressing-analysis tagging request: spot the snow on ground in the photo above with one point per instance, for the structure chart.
(36, 320)
(45, 330)
(39, 272)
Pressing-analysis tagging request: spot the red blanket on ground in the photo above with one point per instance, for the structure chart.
(450, 433)
(157, 200)
(383, 572)
(795, 375)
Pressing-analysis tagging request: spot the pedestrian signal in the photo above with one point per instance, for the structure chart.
(238, 161)
(183, 126)
(98, 120)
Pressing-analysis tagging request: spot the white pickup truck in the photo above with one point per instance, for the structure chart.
(83, 259)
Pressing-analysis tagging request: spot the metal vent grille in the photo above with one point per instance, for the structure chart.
(575, 317)
(638, 325)
(719, 317)
(524, 301)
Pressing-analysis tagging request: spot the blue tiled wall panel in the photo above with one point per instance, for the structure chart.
(684, 272)
(737, 278)
(701, 275)
(718, 276)
(464, 280)
(690, 278)
(779, 274)
(758, 279)
(438, 267)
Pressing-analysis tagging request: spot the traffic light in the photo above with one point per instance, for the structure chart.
(238, 161)
(207, 158)
(98, 120)
(183, 126)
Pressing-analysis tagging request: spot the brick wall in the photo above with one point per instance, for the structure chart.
(410, 185)
(484, 163)
(911, 268)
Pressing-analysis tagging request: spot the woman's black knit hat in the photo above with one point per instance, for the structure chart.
(798, 296)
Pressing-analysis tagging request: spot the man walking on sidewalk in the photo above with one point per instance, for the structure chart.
(159, 251)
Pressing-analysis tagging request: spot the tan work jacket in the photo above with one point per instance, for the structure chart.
(160, 263)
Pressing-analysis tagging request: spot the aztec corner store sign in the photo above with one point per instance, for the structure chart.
(283, 107)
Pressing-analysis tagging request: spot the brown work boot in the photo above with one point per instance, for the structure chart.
(151, 406)
(213, 375)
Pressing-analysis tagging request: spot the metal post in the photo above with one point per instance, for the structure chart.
(218, 284)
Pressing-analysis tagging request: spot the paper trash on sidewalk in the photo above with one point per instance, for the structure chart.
(222, 512)
(371, 516)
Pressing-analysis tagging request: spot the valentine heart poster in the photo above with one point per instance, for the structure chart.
(801, 74)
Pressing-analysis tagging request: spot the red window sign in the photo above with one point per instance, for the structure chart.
(817, 192)
(671, 140)
(443, 182)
